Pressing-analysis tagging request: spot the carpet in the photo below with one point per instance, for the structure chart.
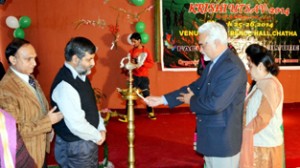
(168, 141)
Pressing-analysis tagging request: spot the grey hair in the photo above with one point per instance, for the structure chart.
(214, 31)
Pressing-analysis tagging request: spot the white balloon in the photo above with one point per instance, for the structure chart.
(128, 39)
(12, 22)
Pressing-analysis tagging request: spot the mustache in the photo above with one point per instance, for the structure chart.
(84, 71)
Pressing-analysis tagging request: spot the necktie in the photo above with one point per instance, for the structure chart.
(32, 82)
(210, 67)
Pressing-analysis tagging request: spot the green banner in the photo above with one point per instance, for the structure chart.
(272, 23)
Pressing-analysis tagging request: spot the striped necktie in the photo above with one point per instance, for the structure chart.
(32, 82)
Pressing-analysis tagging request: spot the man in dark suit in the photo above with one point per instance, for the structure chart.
(217, 98)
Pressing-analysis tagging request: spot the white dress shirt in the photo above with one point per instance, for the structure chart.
(24, 77)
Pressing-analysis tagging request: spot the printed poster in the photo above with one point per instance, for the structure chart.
(274, 24)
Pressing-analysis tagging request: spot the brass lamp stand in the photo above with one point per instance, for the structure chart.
(130, 94)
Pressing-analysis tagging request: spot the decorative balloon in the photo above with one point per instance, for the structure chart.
(19, 33)
(145, 38)
(24, 22)
(140, 27)
(138, 2)
(12, 22)
(129, 40)
(18, 25)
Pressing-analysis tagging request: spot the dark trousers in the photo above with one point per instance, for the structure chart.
(77, 154)
(143, 84)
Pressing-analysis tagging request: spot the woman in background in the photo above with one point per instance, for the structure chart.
(262, 145)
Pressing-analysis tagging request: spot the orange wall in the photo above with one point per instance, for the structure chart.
(53, 25)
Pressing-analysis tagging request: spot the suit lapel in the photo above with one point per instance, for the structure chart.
(203, 79)
(25, 89)
(207, 76)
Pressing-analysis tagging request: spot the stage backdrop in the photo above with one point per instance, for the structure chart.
(272, 23)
